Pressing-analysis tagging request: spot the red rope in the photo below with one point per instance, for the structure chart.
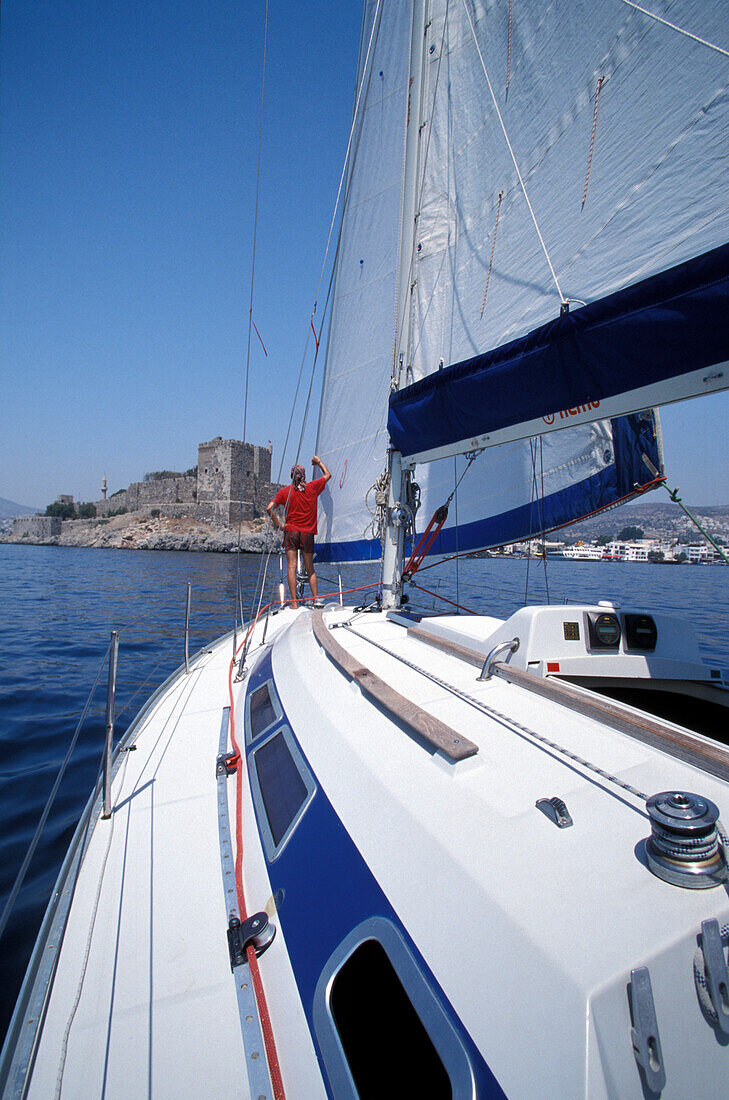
(265, 1018)
(425, 542)
(266, 1027)
(316, 341)
(259, 337)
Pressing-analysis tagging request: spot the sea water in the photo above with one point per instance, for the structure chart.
(58, 606)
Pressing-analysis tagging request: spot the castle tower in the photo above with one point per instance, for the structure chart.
(224, 468)
(103, 487)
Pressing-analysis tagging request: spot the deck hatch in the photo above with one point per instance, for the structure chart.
(379, 1021)
(282, 788)
(372, 1012)
(263, 710)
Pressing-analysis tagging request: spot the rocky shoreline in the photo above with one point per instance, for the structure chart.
(140, 531)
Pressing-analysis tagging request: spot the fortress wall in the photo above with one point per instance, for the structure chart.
(37, 527)
(228, 470)
(111, 504)
(143, 495)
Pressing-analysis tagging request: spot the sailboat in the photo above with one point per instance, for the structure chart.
(373, 851)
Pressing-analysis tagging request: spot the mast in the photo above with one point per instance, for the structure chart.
(393, 546)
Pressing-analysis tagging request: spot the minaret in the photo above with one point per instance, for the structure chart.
(103, 487)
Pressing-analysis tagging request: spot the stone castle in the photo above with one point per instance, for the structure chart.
(232, 483)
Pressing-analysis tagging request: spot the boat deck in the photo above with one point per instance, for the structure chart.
(516, 919)
(554, 918)
(143, 1002)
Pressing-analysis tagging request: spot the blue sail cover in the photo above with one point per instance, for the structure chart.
(650, 334)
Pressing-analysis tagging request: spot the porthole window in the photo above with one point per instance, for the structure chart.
(382, 1030)
(282, 787)
(263, 710)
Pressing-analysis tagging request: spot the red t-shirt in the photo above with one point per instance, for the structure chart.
(301, 514)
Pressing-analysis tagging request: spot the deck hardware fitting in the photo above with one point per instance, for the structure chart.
(644, 1032)
(256, 930)
(716, 973)
(500, 647)
(226, 764)
(556, 811)
(683, 847)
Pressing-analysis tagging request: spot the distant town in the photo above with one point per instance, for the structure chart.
(644, 532)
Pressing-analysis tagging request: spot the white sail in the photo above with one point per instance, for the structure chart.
(608, 178)
(352, 437)
(610, 187)
(657, 188)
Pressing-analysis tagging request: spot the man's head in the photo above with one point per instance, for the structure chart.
(298, 476)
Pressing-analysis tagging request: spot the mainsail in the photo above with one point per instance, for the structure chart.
(568, 154)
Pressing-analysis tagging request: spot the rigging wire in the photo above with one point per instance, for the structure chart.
(350, 156)
(250, 307)
(675, 27)
(506, 720)
(538, 502)
(541, 501)
(19, 878)
(513, 155)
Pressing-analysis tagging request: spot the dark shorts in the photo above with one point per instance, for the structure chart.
(298, 540)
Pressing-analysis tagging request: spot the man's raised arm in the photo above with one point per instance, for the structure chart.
(316, 461)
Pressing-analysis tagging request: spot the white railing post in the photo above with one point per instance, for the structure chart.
(110, 700)
(187, 627)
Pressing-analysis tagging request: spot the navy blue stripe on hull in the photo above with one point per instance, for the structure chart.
(326, 890)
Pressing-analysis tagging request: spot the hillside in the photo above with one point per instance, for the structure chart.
(10, 508)
(659, 519)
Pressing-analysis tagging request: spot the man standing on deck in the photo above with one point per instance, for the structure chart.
(299, 501)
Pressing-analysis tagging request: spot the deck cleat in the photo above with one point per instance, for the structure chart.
(684, 847)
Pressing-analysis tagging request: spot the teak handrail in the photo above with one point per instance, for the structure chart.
(683, 744)
(436, 733)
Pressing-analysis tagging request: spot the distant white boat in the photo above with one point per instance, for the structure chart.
(584, 553)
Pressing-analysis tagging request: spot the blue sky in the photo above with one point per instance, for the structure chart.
(128, 147)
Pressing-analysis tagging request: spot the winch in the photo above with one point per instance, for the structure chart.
(684, 846)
